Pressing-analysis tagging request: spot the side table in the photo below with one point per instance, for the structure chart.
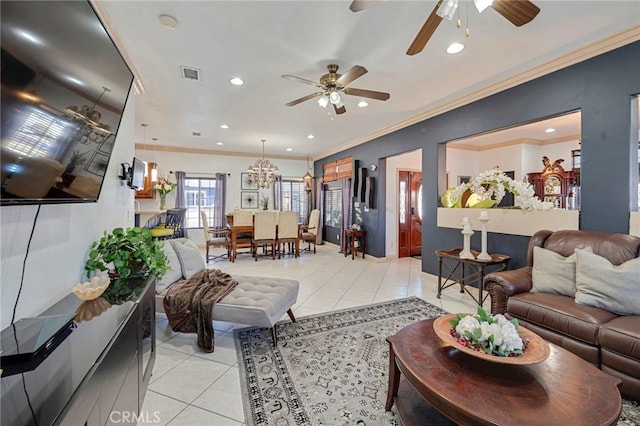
(350, 237)
(476, 267)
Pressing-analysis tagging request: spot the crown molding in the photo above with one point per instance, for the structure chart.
(518, 141)
(187, 150)
(607, 44)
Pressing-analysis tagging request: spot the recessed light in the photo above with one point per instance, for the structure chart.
(550, 130)
(236, 81)
(219, 143)
(168, 22)
(310, 136)
(289, 149)
(455, 48)
(224, 126)
(363, 104)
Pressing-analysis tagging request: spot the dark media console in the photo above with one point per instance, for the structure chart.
(97, 375)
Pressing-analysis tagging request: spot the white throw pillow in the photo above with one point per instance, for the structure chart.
(191, 260)
(175, 269)
(553, 273)
(603, 285)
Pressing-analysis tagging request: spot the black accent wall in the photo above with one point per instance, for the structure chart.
(601, 88)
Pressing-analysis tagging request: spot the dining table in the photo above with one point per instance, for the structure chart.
(241, 237)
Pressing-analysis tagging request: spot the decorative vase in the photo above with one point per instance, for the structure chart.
(163, 201)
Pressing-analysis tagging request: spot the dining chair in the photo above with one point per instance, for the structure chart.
(264, 232)
(310, 234)
(242, 239)
(172, 227)
(288, 232)
(215, 238)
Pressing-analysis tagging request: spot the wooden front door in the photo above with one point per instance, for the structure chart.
(409, 214)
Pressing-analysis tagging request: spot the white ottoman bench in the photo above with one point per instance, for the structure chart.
(257, 301)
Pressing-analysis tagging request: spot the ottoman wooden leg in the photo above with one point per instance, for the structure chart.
(290, 312)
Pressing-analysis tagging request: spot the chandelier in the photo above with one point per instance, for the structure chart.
(264, 172)
(90, 128)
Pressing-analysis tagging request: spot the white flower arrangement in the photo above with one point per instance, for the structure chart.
(494, 335)
(493, 184)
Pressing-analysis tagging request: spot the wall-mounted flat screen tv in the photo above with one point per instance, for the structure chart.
(64, 89)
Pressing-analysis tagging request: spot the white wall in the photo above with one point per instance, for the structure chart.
(206, 165)
(62, 236)
(409, 161)
(461, 162)
(522, 159)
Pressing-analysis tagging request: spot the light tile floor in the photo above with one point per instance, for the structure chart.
(190, 387)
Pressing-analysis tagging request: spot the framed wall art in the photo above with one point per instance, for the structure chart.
(463, 179)
(98, 163)
(248, 182)
(249, 200)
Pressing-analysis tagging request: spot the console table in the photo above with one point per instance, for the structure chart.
(563, 389)
(354, 241)
(98, 374)
(477, 269)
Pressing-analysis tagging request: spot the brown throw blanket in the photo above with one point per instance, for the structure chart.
(189, 304)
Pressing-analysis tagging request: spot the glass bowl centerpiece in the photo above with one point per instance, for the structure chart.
(491, 337)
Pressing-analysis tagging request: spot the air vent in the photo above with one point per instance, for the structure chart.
(196, 133)
(190, 73)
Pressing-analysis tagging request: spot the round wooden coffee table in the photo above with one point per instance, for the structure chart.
(563, 389)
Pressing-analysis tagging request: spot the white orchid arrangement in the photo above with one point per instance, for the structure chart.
(495, 335)
(493, 184)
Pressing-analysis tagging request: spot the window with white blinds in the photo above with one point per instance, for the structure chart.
(295, 198)
(200, 196)
(333, 207)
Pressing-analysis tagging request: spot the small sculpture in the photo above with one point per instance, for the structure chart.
(548, 166)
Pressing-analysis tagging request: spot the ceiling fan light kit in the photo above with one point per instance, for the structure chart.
(333, 85)
(447, 9)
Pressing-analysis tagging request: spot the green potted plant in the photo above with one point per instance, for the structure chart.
(127, 253)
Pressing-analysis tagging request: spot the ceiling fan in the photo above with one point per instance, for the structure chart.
(333, 84)
(518, 12)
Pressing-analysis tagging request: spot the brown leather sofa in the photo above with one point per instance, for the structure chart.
(607, 340)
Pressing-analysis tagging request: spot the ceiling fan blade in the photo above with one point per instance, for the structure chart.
(354, 72)
(358, 5)
(518, 12)
(304, 98)
(340, 110)
(372, 94)
(301, 80)
(425, 32)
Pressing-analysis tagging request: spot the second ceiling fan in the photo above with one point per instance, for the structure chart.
(518, 12)
(333, 85)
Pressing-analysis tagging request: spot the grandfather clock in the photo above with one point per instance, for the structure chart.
(555, 184)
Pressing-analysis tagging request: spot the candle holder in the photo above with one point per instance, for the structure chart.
(484, 218)
(467, 233)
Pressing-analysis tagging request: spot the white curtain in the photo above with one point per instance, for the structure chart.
(181, 201)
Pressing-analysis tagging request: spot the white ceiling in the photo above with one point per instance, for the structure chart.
(261, 40)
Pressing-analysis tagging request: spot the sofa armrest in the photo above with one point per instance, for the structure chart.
(504, 284)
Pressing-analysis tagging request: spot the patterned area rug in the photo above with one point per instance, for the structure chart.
(332, 369)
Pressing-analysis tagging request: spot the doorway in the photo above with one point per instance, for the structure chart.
(409, 213)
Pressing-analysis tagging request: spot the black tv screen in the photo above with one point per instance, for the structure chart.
(64, 89)
(137, 174)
